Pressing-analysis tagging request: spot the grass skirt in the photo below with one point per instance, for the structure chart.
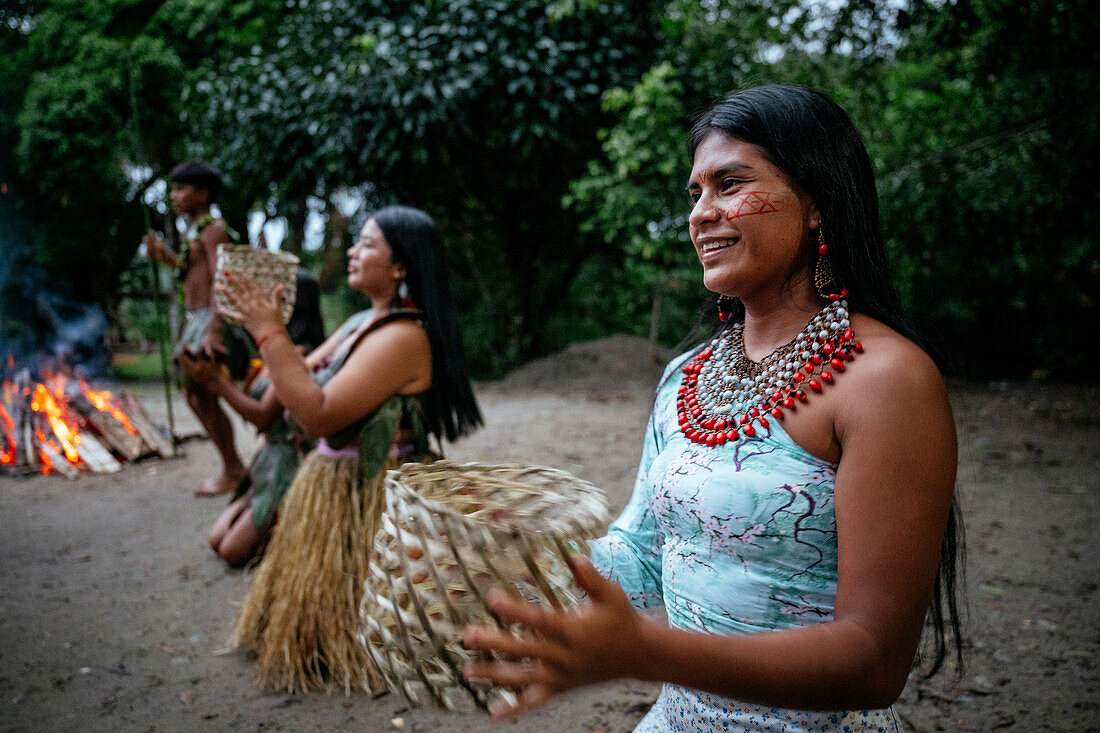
(301, 613)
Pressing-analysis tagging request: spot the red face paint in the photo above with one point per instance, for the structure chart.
(750, 203)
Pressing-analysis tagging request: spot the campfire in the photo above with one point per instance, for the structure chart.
(61, 425)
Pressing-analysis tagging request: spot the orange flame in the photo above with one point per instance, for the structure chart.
(8, 455)
(103, 402)
(43, 455)
(42, 401)
(47, 462)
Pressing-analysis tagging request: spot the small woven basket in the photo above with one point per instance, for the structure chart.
(449, 533)
(266, 267)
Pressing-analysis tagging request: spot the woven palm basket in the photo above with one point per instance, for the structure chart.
(265, 267)
(451, 532)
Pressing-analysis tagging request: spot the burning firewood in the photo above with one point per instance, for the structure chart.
(53, 461)
(149, 431)
(17, 404)
(112, 424)
(95, 456)
(63, 426)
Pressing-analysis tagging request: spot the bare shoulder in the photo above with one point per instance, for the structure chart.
(403, 334)
(400, 349)
(215, 233)
(893, 382)
(891, 361)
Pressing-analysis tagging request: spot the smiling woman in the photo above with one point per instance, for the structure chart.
(747, 221)
(371, 394)
(793, 508)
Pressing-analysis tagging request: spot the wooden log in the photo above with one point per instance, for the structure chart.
(95, 456)
(21, 414)
(29, 453)
(59, 463)
(129, 445)
(150, 432)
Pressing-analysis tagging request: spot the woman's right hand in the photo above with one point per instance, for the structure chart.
(201, 369)
(558, 650)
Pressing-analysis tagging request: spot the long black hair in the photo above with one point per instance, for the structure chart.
(810, 138)
(416, 242)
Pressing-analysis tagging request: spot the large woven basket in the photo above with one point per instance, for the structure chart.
(449, 533)
(266, 267)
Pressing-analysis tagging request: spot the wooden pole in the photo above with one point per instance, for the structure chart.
(164, 337)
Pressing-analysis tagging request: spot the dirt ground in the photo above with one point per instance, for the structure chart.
(113, 613)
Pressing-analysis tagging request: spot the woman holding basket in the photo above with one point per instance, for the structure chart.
(372, 394)
(793, 511)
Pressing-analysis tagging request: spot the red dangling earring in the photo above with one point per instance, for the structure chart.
(823, 271)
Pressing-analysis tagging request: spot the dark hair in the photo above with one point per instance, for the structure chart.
(811, 139)
(417, 244)
(306, 327)
(199, 175)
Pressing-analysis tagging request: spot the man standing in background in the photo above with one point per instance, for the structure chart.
(194, 187)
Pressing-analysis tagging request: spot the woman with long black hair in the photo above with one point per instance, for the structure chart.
(372, 394)
(793, 511)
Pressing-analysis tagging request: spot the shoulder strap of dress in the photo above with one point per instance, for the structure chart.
(395, 315)
(354, 321)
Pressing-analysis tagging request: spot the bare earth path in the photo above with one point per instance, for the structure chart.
(112, 610)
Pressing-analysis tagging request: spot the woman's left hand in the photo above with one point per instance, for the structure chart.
(257, 311)
(203, 370)
(558, 650)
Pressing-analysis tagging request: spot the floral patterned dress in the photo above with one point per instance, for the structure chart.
(733, 539)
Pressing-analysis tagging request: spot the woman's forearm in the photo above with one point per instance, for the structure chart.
(290, 378)
(260, 412)
(831, 666)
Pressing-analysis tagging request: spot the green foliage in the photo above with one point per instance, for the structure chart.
(987, 145)
(634, 199)
(142, 367)
(633, 195)
(479, 112)
(981, 119)
(549, 140)
(77, 137)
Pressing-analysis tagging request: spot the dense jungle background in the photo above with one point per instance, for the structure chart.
(549, 141)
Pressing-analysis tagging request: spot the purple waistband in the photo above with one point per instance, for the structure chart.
(348, 451)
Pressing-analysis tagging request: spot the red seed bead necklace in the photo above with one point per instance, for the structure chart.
(725, 396)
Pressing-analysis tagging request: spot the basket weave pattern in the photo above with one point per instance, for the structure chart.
(449, 533)
(265, 267)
